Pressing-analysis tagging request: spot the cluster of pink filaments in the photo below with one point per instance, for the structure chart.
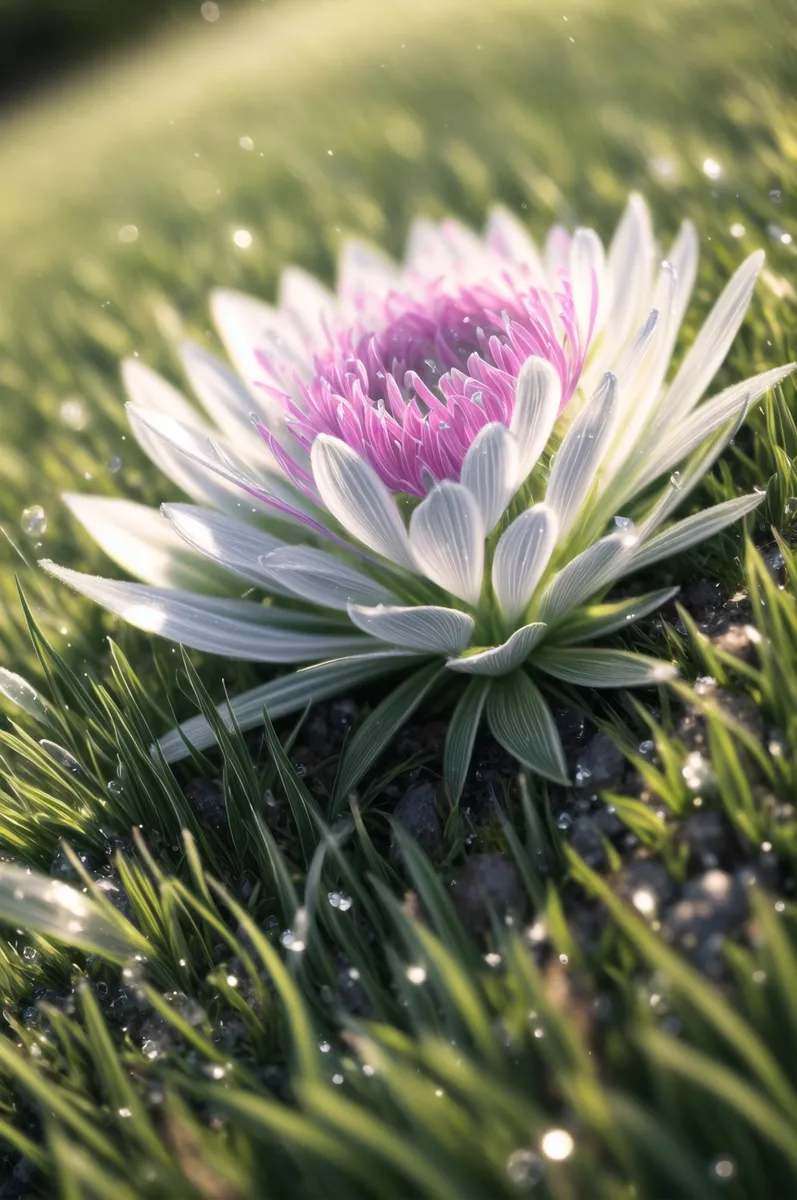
(411, 397)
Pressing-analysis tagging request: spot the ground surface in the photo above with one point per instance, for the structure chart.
(298, 1016)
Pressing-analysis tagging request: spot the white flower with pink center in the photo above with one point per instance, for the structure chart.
(442, 469)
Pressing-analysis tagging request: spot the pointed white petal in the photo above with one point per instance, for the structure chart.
(634, 355)
(586, 275)
(224, 398)
(233, 628)
(439, 630)
(425, 251)
(142, 542)
(538, 397)
(629, 276)
(247, 326)
(522, 722)
(151, 394)
(712, 343)
(357, 498)
(678, 439)
(280, 697)
(576, 464)
(232, 485)
(556, 254)
(364, 270)
(687, 533)
(500, 660)
(308, 304)
(322, 578)
(465, 248)
(521, 557)
(447, 540)
(147, 389)
(235, 545)
(507, 236)
(490, 472)
(586, 574)
(603, 668)
(683, 259)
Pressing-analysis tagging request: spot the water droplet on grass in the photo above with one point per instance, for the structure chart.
(34, 521)
(525, 1169)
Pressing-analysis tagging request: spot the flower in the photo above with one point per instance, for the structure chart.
(444, 450)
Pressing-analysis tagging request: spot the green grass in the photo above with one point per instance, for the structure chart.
(329, 1071)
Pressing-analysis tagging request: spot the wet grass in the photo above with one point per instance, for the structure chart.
(187, 1045)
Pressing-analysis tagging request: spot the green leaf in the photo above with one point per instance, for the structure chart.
(379, 729)
(280, 697)
(304, 810)
(603, 668)
(694, 988)
(597, 620)
(687, 533)
(725, 1087)
(461, 734)
(522, 722)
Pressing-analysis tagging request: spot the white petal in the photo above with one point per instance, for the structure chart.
(364, 270)
(425, 251)
(500, 660)
(576, 464)
(151, 394)
(322, 578)
(141, 541)
(556, 254)
(356, 496)
(683, 259)
(538, 397)
(521, 557)
(490, 471)
(439, 630)
(586, 275)
(209, 458)
(224, 398)
(586, 574)
(635, 353)
(465, 245)
(507, 236)
(246, 325)
(147, 389)
(630, 274)
(447, 540)
(712, 343)
(680, 438)
(233, 628)
(235, 545)
(290, 694)
(308, 304)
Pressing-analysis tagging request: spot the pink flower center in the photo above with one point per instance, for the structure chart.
(411, 396)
